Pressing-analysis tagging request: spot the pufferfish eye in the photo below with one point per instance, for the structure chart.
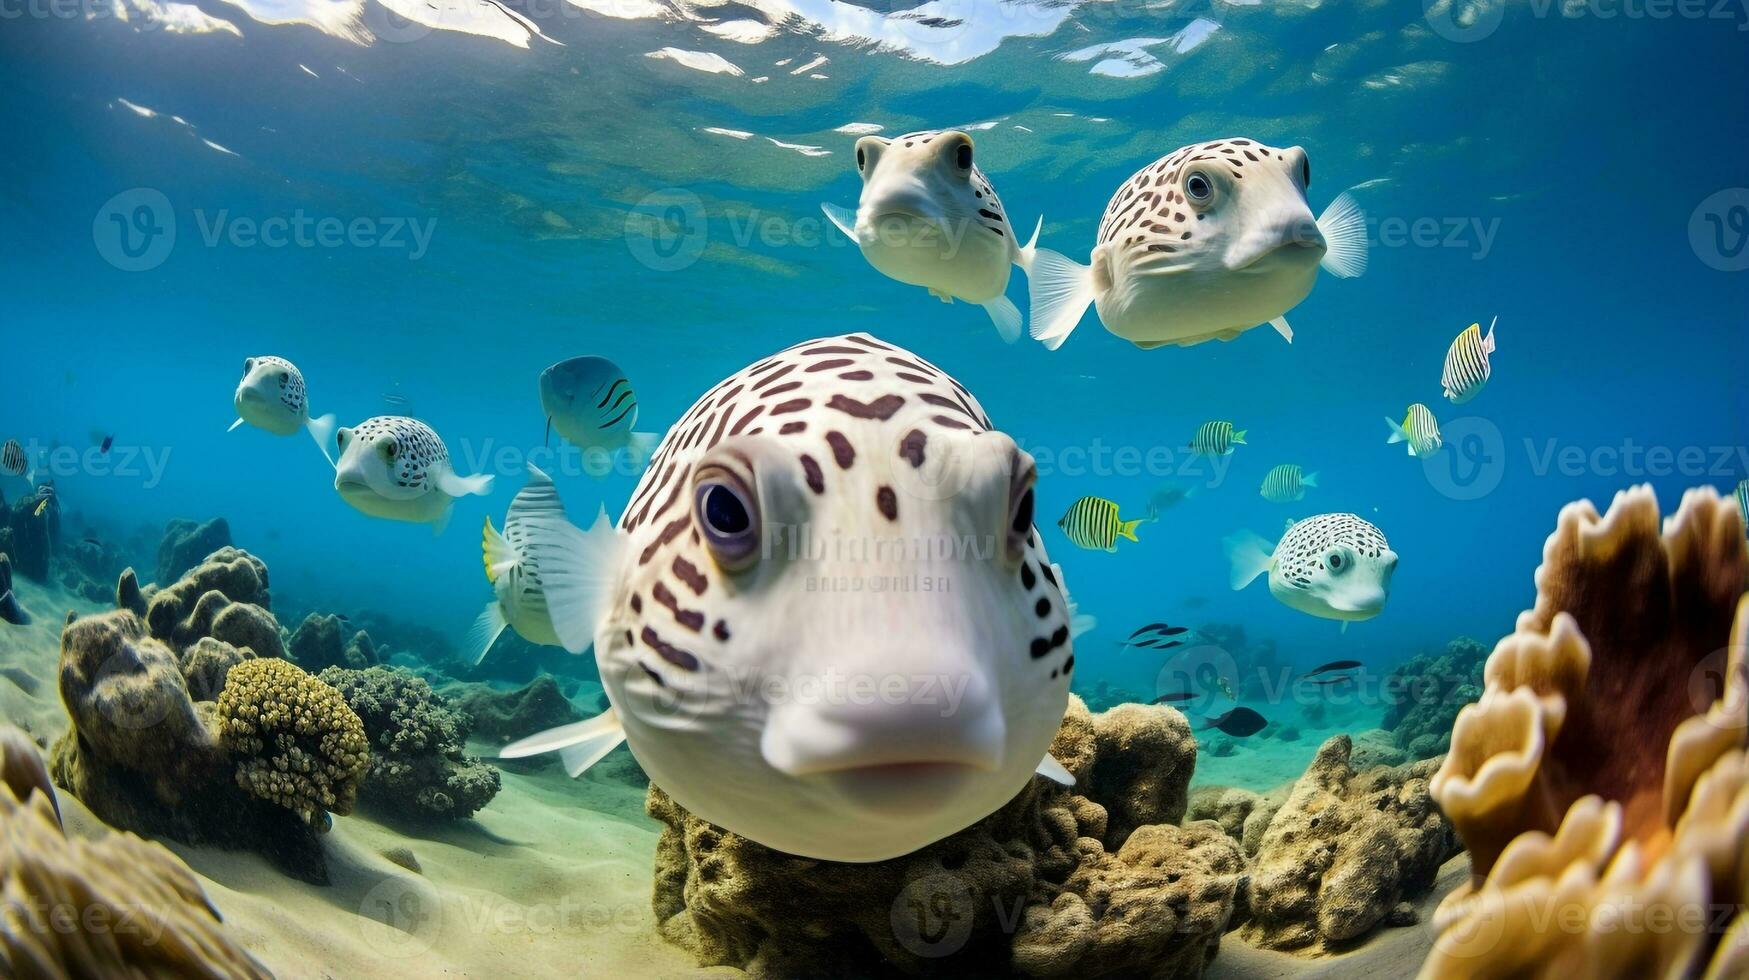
(391, 449)
(962, 156)
(1198, 186)
(1305, 171)
(284, 376)
(248, 364)
(1335, 561)
(861, 158)
(728, 517)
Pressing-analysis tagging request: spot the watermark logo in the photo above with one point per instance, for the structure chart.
(932, 916)
(1473, 461)
(1464, 21)
(135, 230)
(1718, 230)
(411, 911)
(667, 231)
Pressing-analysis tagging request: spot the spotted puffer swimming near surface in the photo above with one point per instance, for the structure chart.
(929, 217)
(1202, 244)
(825, 620)
(272, 397)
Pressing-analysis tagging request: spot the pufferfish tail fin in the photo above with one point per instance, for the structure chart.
(321, 429)
(580, 744)
(1249, 556)
(1061, 289)
(1343, 226)
(578, 570)
(485, 632)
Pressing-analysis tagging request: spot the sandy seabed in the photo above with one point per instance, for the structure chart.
(551, 879)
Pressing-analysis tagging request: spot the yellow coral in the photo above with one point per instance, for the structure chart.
(1602, 781)
(296, 741)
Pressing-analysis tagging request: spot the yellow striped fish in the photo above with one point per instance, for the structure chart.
(1093, 523)
(1743, 501)
(1286, 484)
(1466, 363)
(1216, 439)
(1419, 429)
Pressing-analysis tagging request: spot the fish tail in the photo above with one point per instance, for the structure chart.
(1343, 225)
(1127, 529)
(1030, 250)
(1060, 289)
(485, 632)
(1309, 480)
(321, 429)
(1239, 437)
(1488, 341)
(1398, 433)
(1249, 557)
(580, 744)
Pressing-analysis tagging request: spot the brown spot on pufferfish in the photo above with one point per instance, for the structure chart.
(888, 502)
(881, 408)
(911, 447)
(816, 479)
(841, 449)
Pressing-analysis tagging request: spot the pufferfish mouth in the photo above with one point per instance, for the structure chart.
(898, 789)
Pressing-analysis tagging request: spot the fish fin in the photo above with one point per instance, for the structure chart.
(1053, 770)
(1343, 225)
(1249, 556)
(1488, 341)
(538, 498)
(1309, 480)
(640, 446)
(322, 430)
(1080, 623)
(578, 569)
(1060, 290)
(234, 425)
(456, 485)
(1024, 257)
(1005, 316)
(1345, 627)
(1127, 529)
(485, 632)
(1398, 434)
(1281, 327)
(500, 556)
(842, 219)
(1239, 437)
(580, 744)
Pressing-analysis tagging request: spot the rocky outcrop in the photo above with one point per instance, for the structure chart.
(186, 544)
(321, 641)
(509, 715)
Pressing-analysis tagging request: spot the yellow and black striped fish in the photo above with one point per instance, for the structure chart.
(1216, 439)
(12, 459)
(1466, 363)
(1093, 523)
(1743, 501)
(1419, 429)
(1286, 484)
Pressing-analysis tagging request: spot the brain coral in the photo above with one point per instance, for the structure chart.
(115, 906)
(1602, 776)
(296, 741)
(1054, 884)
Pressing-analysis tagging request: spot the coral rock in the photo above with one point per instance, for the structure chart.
(128, 595)
(320, 642)
(297, 743)
(1605, 767)
(189, 609)
(186, 543)
(417, 765)
(510, 715)
(1050, 885)
(1343, 850)
(111, 881)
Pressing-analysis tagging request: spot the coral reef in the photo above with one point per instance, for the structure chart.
(1242, 814)
(186, 544)
(1054, 884)
(295, 740)
(417, 767)
(29, 537)
(10, 610)
(320, 642)
(1423, 696)
(128, 594)
(1343, 850)
(226, 597)
(509, 715)
(138, 911)
(144, 751)
(1377, 747)
(1604, 771)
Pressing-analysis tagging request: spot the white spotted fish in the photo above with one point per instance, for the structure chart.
(838, 513)
(929, 217)
(1202, 244)
(1419, 429)
(1286, 484)
(398, 469)
(1333, 566)
(590, 401)
(513, 567)
(1467, 366)
(1216, 439)
(272, 397)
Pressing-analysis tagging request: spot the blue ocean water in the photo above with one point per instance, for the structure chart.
(641, 181)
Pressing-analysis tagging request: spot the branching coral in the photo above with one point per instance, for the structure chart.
(1603, 774)
(296, 742)
(1054, 884)
(417, 765)
(116, 906)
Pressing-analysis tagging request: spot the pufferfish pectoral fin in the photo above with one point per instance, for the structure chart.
(1053, 770)
(580, 744)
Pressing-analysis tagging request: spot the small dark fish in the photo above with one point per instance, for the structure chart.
(1239, 722)
(1173, 697)
(92, 541)
(108, 441)
(1332, 665)
(1150, 628)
